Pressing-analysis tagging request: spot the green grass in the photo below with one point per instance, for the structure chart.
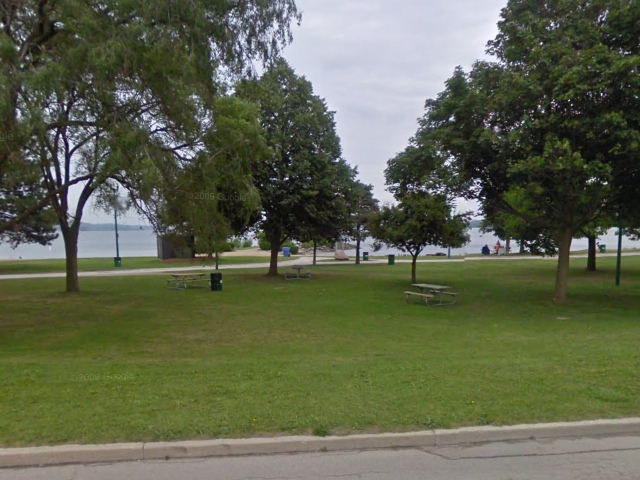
(129, 360)
(93, 264)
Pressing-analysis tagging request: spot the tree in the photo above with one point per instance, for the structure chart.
(539, 132)
(22, 217)
(18, 197)
(299, 182)
(212, 197)
(419, 220)
(362, 205)
(120, 90)
(331, 220)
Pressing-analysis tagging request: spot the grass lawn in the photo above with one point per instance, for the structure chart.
(129, 360)
(92, 264)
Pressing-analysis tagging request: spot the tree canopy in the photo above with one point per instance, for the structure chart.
(121, 90)
(545, 130)
(420, 219)
(301, 180)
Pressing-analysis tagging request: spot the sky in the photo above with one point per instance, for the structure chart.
(375, 62)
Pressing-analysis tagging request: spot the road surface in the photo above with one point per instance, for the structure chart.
(561, 459)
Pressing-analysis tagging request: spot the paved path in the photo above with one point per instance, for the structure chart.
(154, 271)
(561, 459)
(284, 264)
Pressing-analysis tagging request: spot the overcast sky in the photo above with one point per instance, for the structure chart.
(375, 62)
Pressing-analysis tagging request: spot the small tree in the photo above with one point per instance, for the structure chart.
(419, 220)
(361, 207)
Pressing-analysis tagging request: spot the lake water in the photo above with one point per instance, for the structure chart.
(142, 243)
(133, 243)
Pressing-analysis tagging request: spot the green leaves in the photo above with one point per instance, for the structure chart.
(302, 178)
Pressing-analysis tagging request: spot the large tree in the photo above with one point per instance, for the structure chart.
(299, 182)
(540, 131)
(120, 90)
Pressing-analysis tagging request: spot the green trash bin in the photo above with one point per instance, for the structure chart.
(392, 259)
(603, 248)
(117, 261)
(216, 282)
(365, 256)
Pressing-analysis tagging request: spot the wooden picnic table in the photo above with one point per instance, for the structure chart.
(438, 292)
(297, 272)
(180, 281)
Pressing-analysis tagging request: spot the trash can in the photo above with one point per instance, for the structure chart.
(392, 259)
(365, 255)
(117, 261)
(603, 248)
(216, 282)
(286, 251)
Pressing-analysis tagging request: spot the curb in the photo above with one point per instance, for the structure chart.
(121, 452)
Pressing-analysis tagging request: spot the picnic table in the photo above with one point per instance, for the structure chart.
(297, 273)
(180, 281)
(438, 293)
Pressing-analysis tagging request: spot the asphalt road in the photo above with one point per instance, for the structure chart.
(561, 459)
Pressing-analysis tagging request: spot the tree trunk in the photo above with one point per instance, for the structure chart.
(414, 259)
(591, 254)
(70, 236)
(315, 250)
(358, 251)
(507, 246)
(562, 272)
(273, 262)
(276, 241)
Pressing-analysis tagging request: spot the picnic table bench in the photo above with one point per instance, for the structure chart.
(423, 297)
(296, 273)
(438, 292)
(180, 281)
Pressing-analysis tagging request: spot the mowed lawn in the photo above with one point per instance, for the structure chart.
(129, 360)
(98, 264)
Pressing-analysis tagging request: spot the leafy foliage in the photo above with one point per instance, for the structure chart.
(546, 130)
(419, 220)
(121, 90)
(299, 182)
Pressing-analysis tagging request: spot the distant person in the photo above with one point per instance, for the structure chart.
(485, 250)
(498, 247)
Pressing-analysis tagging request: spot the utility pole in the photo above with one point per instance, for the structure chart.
(117, 261)
(619, 262)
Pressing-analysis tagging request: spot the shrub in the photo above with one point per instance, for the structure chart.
(263, 243)
(294, 248)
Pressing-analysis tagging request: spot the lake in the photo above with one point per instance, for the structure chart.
(133, 243)
(142, 243)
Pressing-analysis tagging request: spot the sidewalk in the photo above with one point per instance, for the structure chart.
(287, 263)
(153, 271)
(123, 452)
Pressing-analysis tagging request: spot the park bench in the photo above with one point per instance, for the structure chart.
(423, 297)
